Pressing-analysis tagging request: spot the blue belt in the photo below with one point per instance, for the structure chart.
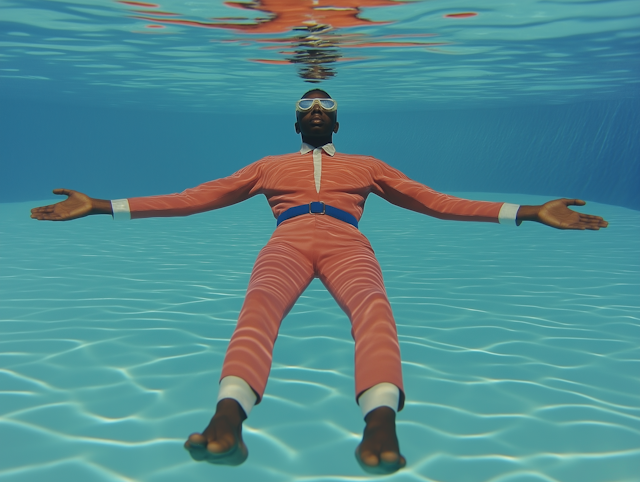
(318, 207)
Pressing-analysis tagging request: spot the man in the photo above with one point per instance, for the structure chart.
(317, 195)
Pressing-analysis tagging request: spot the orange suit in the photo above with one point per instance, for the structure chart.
(320, 246)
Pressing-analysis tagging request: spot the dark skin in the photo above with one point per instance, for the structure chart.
(379, 451)
(316, 126)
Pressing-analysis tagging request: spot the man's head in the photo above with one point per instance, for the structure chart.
(318, 122)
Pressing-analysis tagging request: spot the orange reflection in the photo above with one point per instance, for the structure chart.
(316, 44)
(139, 4)
(288, 15)
(461, 15)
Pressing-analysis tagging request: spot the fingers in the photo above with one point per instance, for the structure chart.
(45, 213)
(573, 202)
(66, 192)
(586, 217)
(592, 222)
(47, 217)
(565, 218)
(43, 209)
(586, 221)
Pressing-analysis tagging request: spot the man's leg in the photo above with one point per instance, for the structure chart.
(280, 275)
(351, 273)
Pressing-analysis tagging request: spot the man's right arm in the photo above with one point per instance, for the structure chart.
(211, 195)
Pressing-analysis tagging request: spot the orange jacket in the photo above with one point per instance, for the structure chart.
(288, 180)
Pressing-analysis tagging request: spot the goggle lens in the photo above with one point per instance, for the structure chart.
(326, 104)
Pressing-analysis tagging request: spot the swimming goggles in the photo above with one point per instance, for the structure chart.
(304, 105)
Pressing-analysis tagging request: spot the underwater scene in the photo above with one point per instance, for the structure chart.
(518, 344)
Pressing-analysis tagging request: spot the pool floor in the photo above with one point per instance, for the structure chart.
(519, 345)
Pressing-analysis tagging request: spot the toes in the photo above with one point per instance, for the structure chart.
(196, 439)
(368, 458)
(234, 455)
(198, 454)
(196, 444)
(390, 457)
(199, 445)
(218, 447)
(222, 452)
(387, 463)
(400, 462)
(391, 462)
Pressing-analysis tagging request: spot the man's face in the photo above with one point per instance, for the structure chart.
(316, 122)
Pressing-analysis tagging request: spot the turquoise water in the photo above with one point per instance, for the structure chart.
(198, 55)
(519, 348)
(519, 344)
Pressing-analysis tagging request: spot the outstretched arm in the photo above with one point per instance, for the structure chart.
(398, 189)
(557, 214)
(211, 195)
(77, 205)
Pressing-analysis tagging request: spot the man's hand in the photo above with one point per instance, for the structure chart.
(557, 215)
(77, 205)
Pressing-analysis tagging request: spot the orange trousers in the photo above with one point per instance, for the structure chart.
(302, 248)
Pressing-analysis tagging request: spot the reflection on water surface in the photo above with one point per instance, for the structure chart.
(316, 43)
(192, 55)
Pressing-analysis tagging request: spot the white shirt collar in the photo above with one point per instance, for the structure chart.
(328, 148)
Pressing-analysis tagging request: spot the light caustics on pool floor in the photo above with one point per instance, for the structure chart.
(193, 55)
(519, 347)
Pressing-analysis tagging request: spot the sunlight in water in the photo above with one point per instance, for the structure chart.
(519, 344)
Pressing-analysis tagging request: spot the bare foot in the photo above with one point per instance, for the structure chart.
(221, 442)
(379, 451)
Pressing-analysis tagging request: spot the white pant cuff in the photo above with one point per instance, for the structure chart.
(380, 395)
(239, 390)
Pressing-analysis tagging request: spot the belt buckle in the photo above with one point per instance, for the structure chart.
(318, 202)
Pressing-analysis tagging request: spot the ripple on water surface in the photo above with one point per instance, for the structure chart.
(519, 349)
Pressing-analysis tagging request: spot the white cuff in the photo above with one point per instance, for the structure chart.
(120, 208)
(380, 395)
(508, 213)
(239, 390)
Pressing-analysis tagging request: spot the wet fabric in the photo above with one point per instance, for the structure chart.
(307, 247)
(288, 181)
(339, 255)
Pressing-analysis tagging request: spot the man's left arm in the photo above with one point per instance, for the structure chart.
(397, 188)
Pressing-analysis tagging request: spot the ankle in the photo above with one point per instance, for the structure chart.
(380, 415)
(230, 408)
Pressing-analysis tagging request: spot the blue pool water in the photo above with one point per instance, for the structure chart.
(519, 348)
(519, 345)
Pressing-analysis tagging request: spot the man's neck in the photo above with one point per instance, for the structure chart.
(317, 141)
